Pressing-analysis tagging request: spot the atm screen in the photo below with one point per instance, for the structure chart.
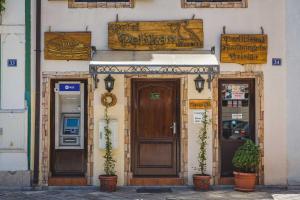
(71, 126)
(72, 122)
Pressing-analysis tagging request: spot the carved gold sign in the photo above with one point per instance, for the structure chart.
(161, 35)
(200, 104)
(244, 49)
(68, 45)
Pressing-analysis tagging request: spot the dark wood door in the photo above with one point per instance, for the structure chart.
(67, 162)
(236, 118)
(155, 127)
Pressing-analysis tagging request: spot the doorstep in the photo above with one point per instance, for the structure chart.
(67, 181)
(161, 181)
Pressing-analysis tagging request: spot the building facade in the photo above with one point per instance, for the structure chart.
(248, 100)
(15, 94)
(292, 91)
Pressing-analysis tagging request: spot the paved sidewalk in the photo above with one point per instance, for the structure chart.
(129, 193)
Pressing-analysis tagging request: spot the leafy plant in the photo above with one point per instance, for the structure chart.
(202, 140)
(246, 158)
(2, 7)
(109, 164)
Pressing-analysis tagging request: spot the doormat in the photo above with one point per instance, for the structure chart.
(153, 190)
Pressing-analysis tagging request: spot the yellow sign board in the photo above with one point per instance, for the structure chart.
(156, 35)
(68, 45)
(200, 104)
(244, 48)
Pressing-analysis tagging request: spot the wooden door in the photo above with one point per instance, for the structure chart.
(155, 127)
(236, 118)
(67, 162)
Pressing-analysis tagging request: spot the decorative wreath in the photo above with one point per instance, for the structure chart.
(108, 99)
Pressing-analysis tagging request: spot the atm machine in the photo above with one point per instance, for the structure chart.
(69, 127)
(69, 115)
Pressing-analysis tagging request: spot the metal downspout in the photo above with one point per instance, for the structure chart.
(37, 94)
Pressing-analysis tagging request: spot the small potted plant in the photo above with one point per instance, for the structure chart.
(202, 180)
(246, 161)
(108, 181)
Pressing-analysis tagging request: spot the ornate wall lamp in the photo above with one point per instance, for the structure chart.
(199, 83)
(109, 83)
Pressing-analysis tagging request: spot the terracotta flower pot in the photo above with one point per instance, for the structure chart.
(108, 183)
(244, 182)
(201, 182)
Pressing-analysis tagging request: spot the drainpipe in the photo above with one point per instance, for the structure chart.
(28, 75)
(37, 94)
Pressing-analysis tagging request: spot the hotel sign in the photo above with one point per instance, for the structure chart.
(160, 35)
(200, 104)
(68, 45)
(244, 48)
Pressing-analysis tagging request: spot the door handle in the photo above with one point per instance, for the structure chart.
(174, 128)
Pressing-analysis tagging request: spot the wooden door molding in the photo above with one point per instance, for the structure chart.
(60, 157)
(259, 120)
(45, 172)
(151, 132)
(228, 146)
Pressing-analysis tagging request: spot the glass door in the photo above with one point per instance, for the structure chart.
(236, 119)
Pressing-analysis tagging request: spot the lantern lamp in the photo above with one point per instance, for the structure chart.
(109, 83)
(199, 83)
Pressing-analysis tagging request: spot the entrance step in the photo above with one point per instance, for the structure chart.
(67, 181)
(156, 181)
(226, 181)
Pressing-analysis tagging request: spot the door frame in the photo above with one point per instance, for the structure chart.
(45, 173)
(52, 128)
(259, 121)
(183, 161)
(133, 120)
(251, 83)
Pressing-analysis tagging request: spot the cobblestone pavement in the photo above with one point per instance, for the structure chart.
(130, 194)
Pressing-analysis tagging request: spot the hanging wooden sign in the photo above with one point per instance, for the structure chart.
(200, 104)
(244, 48)
(159, 35)
(68, 45)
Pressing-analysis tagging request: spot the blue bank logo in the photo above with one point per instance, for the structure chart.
(73, 87)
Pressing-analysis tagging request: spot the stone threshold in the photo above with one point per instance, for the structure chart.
(181, 187)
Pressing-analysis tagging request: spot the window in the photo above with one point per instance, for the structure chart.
(101, 3)
(214, 3)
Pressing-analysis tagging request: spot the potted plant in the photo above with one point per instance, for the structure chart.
(245, 161)
(202, 180)
(108, 181)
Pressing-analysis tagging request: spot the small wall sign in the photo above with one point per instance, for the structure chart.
(276, 61)
(200, 104)
(12, 62)
(198, 116)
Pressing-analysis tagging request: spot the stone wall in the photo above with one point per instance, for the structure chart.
(45, 131)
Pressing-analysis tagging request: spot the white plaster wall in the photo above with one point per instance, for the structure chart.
(193, 131)
(293, 90)
(115, 112)
(13, 141)
(13, 114)
(268, 13)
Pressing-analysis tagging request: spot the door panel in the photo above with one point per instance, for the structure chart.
(236, 118)
(155, 108)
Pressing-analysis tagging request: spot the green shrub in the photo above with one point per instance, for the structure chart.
(202, 141)
(246, 158)
(109, 164)
(2, 7)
